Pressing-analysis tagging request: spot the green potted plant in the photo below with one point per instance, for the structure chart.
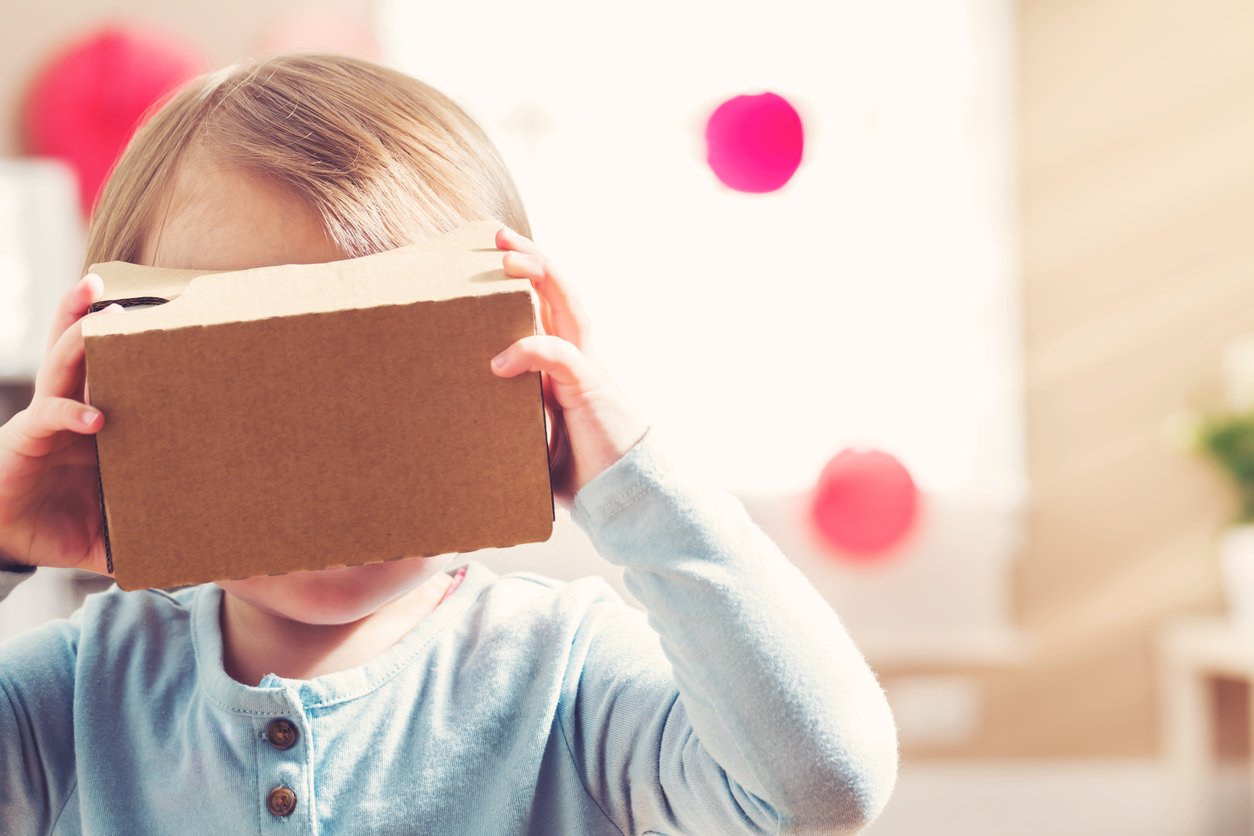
(1226, 437)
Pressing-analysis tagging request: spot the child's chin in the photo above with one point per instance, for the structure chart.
(341, 596)
(334, 596)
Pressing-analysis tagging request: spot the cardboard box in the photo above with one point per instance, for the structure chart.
(310, 416)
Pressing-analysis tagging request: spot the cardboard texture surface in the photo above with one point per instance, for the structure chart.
(309, 416)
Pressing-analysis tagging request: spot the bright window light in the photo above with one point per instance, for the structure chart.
(870, 301)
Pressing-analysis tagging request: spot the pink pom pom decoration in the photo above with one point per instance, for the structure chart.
(754, 142)
(85, 104)
(865, 503)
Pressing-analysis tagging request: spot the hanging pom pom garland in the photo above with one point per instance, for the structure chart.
(865, 503)
(86, 103)
(754, 143)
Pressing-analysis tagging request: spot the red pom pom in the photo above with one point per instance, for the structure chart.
(87, 102)
(865, 502)
(754, 142)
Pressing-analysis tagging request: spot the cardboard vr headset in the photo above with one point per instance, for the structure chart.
(309, 416)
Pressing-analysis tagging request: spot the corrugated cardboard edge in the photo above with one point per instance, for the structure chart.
(558, 425)
(126, 303)
(104, 508)
(104, 517)
(169, 284)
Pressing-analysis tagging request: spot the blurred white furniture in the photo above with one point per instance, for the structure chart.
(1195, 651)
(41, 253)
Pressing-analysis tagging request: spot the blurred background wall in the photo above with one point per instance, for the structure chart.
(1136, 164)
(221, 31)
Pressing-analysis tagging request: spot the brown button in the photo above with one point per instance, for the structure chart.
(281, 733)
(282, 801)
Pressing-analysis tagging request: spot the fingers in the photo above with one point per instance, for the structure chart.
(508, 239)
(565, 316)
(561, 313)
(38, 424)
(73, 304)
(62, 371)
(559, 359)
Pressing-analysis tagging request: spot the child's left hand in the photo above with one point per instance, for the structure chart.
(593, 424)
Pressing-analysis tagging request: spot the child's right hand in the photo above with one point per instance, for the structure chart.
(49, 490)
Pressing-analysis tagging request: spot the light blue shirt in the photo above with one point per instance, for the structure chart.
(521, 704)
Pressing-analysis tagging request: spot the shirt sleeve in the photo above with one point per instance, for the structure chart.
(771, 721)
(37, 773)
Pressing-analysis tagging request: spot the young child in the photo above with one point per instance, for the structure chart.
(402, 696)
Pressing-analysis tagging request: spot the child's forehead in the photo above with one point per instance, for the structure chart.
(218, 218)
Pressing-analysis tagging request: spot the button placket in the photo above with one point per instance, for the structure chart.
(283, 762)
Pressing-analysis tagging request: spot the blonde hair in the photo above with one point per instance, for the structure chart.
(385, 159)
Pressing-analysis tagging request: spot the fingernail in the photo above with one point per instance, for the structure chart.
(88, 417)
(498, 362)
(113, 307)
